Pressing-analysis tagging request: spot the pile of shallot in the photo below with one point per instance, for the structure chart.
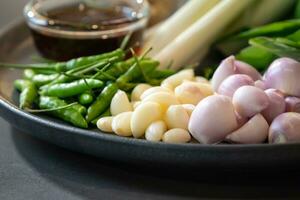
(249, 108)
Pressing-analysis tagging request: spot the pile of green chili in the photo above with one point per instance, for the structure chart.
(79, 91)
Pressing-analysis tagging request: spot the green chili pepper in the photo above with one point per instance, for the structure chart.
(80, 108)
(78, 72)
(102, 102)
(71, 64)
(28, 93)
(105, 114)
(69, 114)
(43, 79)
(86, 98)
(28, 74)
(135, 74)
(161, 74)
(63, 90)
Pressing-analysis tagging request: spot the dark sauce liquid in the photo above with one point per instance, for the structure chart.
(80, 17)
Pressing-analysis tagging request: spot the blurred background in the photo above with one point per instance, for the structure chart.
(10, 10)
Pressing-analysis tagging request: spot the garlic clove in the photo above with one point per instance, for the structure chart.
(188, 93)
(213, 119)
(232, 83)
(252, 132)
(276, 105)
(249, 100)
(285, 128)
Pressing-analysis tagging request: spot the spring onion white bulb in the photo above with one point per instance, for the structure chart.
(202, 33)
(213, 119)
(249, 101)
(283, 74)
(276, 105)
(285, 128)
(234, 82)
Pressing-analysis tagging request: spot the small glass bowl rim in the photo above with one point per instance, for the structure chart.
(41, 24)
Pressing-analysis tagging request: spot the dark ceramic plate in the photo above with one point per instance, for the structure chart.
(16, 46)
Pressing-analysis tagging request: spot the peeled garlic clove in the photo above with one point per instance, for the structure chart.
(138, 91)
(120, 103)
(135, 104)
(153, 90)
(143, 116)
(285, 128)
(205, 88)
(177, 117)
(276, 105)
(252, 132)
(292, 104)
(189, 108)
(260, 84)
(201, 79)
(230, 66)
(234, 82)
(283, 74)
(177, 79)
(105, 124)
(249, 100)
(188, 93)
(164, 99)
(155, 131)
(213, 119)
(176, 135)
(121, 124)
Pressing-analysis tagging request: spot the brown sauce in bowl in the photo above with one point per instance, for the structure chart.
(85, 19)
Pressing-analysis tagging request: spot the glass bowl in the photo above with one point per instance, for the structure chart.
(64, 29)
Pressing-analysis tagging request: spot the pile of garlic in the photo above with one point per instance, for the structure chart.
(160, 113)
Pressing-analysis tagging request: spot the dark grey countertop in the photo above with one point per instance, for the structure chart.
(33, 169)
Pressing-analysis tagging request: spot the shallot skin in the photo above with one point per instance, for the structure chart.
(249, 101)
(283, 74)
(234, 82)
(276, 105)
(230, 66)
(285, 128)
(252, 132)
(292, 104)
(213, 119)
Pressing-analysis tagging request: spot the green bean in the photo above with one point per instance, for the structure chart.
(275, 47)
(43, 79)
(28, 93)
(64, 90)
(69, 114)
(28, 74)
(257, 57)
(276, 29)
(86, 98)
(102, 102)
(105, 114)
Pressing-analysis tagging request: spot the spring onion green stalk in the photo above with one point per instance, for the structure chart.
(181, 20)
(202, 33)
